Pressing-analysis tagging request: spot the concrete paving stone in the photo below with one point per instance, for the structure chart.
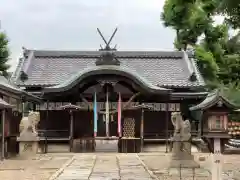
(70, 178)
(100, 166)
(106, 167)
(136, 178)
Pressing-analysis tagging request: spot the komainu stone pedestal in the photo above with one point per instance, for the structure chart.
(181, 150)
(182, 158)
(187, 162)
(28, 148)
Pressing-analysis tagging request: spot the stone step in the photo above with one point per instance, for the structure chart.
(161, 148)
(57, 148)
(106, 146)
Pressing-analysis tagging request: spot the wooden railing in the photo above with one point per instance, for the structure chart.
(47, 136)
(164, 134)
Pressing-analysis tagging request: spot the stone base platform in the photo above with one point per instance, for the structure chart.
(183, 164)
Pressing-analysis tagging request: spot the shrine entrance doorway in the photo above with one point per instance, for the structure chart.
(113, 126)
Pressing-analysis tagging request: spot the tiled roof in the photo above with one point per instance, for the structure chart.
(213, 98)
(107, 69)
(160, 68)
(8, 86)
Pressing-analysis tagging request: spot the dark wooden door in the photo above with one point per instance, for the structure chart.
(101, 126)
(83, 124)
(113, 125)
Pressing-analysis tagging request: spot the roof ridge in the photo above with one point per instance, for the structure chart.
(28, 61)
(55, 50)
(17, 71)
(189, 64)
(121, 53)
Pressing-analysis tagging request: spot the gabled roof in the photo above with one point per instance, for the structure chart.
(160, 68)
(214, 98)
(8, 86)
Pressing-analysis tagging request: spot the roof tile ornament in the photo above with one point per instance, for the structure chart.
(107, 56)
(23, 76)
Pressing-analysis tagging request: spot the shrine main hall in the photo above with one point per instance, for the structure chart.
(81, 92)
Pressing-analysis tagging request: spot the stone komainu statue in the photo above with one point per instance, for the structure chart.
(181, 142)
(182, 133)
(29, 124)
(28, 139)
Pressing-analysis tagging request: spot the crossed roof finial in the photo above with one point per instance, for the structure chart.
(107, 43)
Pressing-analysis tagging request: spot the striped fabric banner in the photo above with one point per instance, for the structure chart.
(95, 114)
(119, 114)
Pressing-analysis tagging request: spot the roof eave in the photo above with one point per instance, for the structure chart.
(31, 97)
(147, 86)
(189, 94)
(4, 104)
(21, 93)
(204, 106)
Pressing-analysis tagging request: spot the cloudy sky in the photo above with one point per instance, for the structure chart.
(71, 24)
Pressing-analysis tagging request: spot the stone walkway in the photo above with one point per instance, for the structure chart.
(105, 167)
(110, 166)
(40, 167)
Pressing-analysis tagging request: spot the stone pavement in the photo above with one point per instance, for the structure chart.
(157, 164)
(110, 166)
(40, 167)
(105, 167)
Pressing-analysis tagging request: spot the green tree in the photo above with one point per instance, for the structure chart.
(192, 19)
(4, 54)
(230, 8)
(232, 92)
(186, 18)
(217, 54)
(206, 63)
(232, 44)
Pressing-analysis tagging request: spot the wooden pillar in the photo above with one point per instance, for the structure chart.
(3, 135)
(200, 125)
(142, 129)
(47, 117)
(34, 107)
(167, 121)
(71, 130)
(23, 102)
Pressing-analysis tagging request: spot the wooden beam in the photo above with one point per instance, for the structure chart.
(142, 129)
(166, 121)
(71, 130)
